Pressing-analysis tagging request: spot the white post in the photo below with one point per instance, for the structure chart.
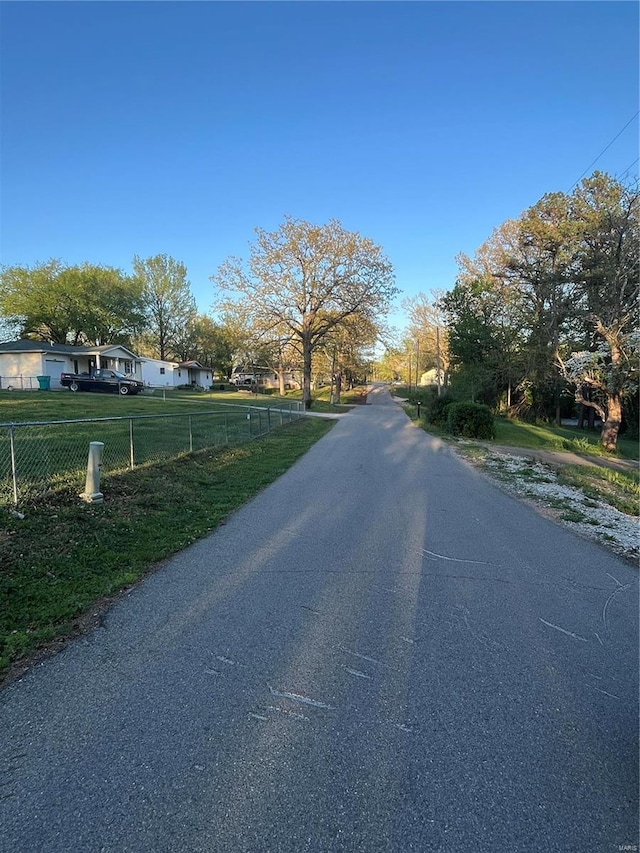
(92, 493)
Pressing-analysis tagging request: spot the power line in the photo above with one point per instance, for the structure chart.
(628, 169)
(606, 148)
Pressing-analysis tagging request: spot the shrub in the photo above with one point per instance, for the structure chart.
(437, 410)
(472, 420)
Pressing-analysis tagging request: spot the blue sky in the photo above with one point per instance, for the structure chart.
(139, 128)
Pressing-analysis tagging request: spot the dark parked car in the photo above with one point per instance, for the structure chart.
(101, 380)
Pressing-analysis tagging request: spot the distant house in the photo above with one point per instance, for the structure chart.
(430, 377)
(198, 376)
(158, 373)
(22, 361)
(264, 377)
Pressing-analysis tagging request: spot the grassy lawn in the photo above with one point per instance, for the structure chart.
(20, 406)
(16, 406)
(56, 455)
(620, 489)
(64, 557)
(321, 399)
(541, 437)
(550, 437)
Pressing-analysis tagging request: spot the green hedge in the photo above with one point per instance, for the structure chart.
(438, 410)
(472, 420)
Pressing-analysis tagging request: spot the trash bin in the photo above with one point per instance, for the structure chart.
(44, 382)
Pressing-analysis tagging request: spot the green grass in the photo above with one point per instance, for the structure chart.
(21, 406)
(65, 556)
(512, 433)
(549, 437)
(57, 454)
(620, 489)
(321, 399)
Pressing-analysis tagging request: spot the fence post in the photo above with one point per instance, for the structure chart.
(190, 435)
(226, 428)
(131, 449)
(268, 418)
(259, 421)
(14, 472)
(249, 419)
(92, 493)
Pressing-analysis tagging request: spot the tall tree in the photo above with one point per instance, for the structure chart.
(347, 351)
(216, 345)
(86, 303)
(608, 258)
(477, 343)
(169, 304)
(540, 266)
(565, 281)
(427, 334)
(308, 279)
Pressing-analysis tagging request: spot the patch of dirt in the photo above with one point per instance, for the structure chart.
(562, 457)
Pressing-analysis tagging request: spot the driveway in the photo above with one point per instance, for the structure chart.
(380, 652)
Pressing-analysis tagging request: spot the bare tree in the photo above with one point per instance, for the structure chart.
(306, 279)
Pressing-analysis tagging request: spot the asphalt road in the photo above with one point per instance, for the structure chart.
(381, 652)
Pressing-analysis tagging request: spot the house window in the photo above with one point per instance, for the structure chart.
(162, 371)
(127, 367)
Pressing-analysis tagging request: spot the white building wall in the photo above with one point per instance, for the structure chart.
(19, 370)
(204, 378)
(160, 374)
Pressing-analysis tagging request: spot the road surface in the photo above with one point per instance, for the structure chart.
(380, 652)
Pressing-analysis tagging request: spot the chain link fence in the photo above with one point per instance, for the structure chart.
(19, 383)
(39, 457)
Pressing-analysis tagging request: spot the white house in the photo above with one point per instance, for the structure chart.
(21, 362)
(157, 373)
(430, 377)
(198, 376)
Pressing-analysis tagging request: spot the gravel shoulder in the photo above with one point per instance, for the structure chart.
(533, 476)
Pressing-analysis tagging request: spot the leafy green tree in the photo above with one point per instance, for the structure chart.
(88, 303)
(427, 335)
(559, 287)
(478, 342)
(540, 267)
(307, 280)
(216, 345)
(346, 354)
(608, 260)
(169, 304)
(392, 366)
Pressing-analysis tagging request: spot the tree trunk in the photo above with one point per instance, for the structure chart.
(281, 388)
(306, 372)
(611, 428)
(338, 388)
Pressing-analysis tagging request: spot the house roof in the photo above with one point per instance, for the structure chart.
(26, 345)
(147, 358)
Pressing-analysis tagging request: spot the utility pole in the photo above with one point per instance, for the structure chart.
(438, 360)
